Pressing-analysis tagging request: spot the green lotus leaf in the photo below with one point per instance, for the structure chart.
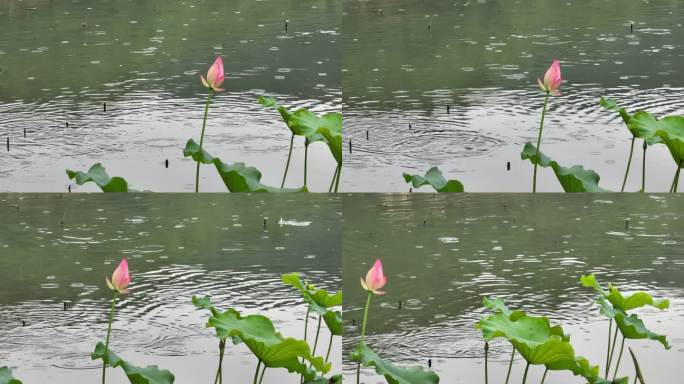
(332, 133)
(671, 131)
(496, 304)
(392, 373)
(268, 102)
(192, 150)
(236, 177)
(632, 327)
(434, 178)
(617, 300)
(6, 376)
(303, 122)
(269, 346)
(644, 126)
(136, 375)
(320, 301)
(611, 105)
(98, 175)
(579, 366)
(336, 379)
(573, 179)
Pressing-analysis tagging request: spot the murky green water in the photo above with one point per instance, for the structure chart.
(60, 61)
(405, 61)
(59, 248)
(442, 255)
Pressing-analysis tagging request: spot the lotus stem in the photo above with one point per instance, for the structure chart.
(109, 333)
(629, 163)
(263, 371)
(306, 328)
(617, 364)
(612, 351)
(306, 155)
(332, 182)
(327, 355)
(541, 128)
(675, 183)
(287, 165)
(486, 348)
(544, 377)
(339, 173)
(510, 365)
(610, 333)
(643, 169)
(636, 367)
(318, 331)
(219, 370)
(204, 125)
(363, 334)
(527, 367)
(256, 374)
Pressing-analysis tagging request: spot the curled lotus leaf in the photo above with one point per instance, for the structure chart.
(98, 175)
(618, 300)
(320, 301)
(6, 376)
(136, 375)
(434, 178)
(573, 179)
(671, 132)
(270, 347)
(392, 373)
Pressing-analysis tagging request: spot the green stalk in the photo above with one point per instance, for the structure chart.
(629, 163)
(363, 334)
(262, 374)
(306, 155)
(541, 128)
(327, 355)
(612, 351)
(306, 328)
(527, 367)
(332, 182)
(486, 362)
(219, 370)
(610, 333)
(339, 173)
(675, 183)
(109, 332)
(636, 367)
(544, 377)
(287, 165)
(617, 365)
(643, 169)
(318, 331)
(256, 374)
(510, 365)
(204, 125)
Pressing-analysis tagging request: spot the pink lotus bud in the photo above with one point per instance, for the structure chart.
(375, 279)
(120, 278)
(215, 76)
(552, 78)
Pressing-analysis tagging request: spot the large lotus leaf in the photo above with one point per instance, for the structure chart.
(192, 149)
(611, 105)
(644, 126)
(392, 373)
(632, 327)
(496, 304)
(98, 175)
(434, 178)
(672, 133)
(614, 296)
(332, 132)
(6, 376)
(573, 179)
(333, 319)
(302, 122)
(136, 375)
(336, 379)
(269, 346)
(319, 300)
(579, 366)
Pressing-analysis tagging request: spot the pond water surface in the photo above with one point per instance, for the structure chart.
(442, 256)
(405, 61)
(57, 249)
(61, 61)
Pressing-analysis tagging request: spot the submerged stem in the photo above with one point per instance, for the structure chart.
(541, 128)
(629, 163)
(617, 364)
(109, 332)
(287, 165)
(363, 334)
(510, 365)
(204, 125)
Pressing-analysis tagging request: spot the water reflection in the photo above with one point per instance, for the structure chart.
(442, 255)
(57, 249)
